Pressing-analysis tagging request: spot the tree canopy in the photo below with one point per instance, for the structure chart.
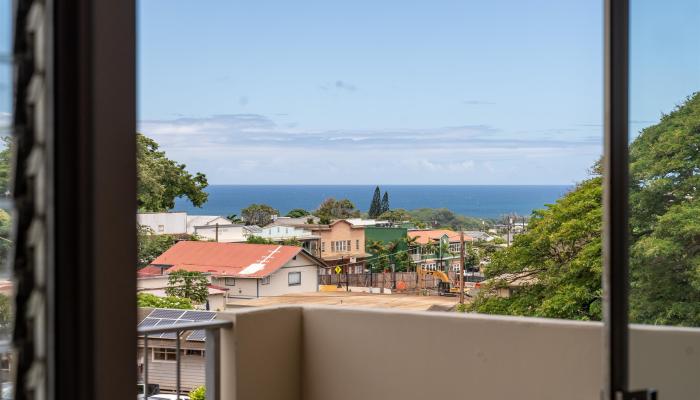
(336, 209)
(188, 284)
(297, 213)
(148, 300)
(562, 248)
(375, 207)
(258, 214)
(162, 180)
(384, 207)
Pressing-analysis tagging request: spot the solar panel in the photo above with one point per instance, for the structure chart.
(199, 315)
(166, 313)
(165, 317)
(199, 335)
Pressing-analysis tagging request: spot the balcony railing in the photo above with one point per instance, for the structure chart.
(212, 352)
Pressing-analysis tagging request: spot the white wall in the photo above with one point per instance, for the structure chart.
(244, 287)
(204, 220)
(164, 223)
(350, 354)
(279, 281)
(227, 234)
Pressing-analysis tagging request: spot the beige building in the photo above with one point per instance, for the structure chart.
(342, 243)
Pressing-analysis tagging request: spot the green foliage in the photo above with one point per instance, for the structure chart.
(562, 251)
(664, 219)
(199, 393)
(148, 300)
(150, 245)
(442, 217)
(375, 207)
(291, 242)
(5, 234)
(258, 214)
(396, 215)
(5, 165)
(258, 240)
(385, 203)
(162, 180)
(297, 213)
(6, 316)
(336, 209)
(379, 261)
(188, 284)
(234, 218)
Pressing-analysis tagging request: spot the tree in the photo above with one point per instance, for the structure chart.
(560, 255)
(378, 261)
(162, 180)
(258, 240)
(5, 234)
(5, 165)
(258, 214)
(375, 207)
(150, 245)
(385, 203)
(297, 213)
(234, 218)
(188, 284)
(336, 209)
(396, 215)
(5, 316)
(148, 300)
(437, 217)
(664, 210)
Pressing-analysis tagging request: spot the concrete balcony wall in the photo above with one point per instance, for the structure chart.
(322, 353)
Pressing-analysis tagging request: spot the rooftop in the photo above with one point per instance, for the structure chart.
(240, 260)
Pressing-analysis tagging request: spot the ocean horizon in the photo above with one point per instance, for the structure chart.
(481, 201)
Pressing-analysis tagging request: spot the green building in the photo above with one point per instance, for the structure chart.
(386, 235)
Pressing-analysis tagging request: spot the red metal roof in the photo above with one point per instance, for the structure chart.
(149, 271)
(241, 260)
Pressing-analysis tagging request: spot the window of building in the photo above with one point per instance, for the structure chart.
(323, 246)
(161, 228)
(294, 278)
(357, 244)
(265, 280)
(164, 354)
(194, 352)
(230, 281)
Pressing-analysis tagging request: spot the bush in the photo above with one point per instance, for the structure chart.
(199, 393)
(148, 300)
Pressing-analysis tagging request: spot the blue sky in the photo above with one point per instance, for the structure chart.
(365, 92)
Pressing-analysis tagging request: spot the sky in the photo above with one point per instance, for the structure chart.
(394, 92)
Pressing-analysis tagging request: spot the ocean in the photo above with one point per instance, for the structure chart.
(480, 201)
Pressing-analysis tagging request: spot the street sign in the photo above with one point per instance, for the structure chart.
(338, 270)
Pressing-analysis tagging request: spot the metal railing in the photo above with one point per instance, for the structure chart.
(212, 356)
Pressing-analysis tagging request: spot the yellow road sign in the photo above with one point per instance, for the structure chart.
(338, 270)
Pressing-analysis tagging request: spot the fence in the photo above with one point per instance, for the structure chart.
(386, 280)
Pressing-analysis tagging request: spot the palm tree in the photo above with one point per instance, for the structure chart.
(391, 248)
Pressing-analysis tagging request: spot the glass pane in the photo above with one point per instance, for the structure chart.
(665, 162)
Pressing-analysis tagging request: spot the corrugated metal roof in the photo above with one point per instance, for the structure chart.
(240, 260)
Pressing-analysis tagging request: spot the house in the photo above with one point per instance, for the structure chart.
(479, 236)
(446, 252)
(175, 223)
(152, 280)
(342, 243)
(299, 221)
(162, 349)
(280, 233)
(226, 233)
(246, 270)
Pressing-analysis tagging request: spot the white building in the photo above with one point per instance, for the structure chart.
(174, 223)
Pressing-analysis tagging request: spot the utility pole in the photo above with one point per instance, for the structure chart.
(461, 266)
(217, 233)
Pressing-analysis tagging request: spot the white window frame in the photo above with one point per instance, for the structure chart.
(265, 280)
(229, 279)
(289, 278)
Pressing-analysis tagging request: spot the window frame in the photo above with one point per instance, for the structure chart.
(228, 279)
(289, 278)
(165, 351)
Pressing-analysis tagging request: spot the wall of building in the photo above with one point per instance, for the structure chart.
(279, 281)
(163, 372)
(226, 234)
(164, 223)
(243, 287)
(342, 230)
(386, 235)
(194, 221)
(475, 357)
